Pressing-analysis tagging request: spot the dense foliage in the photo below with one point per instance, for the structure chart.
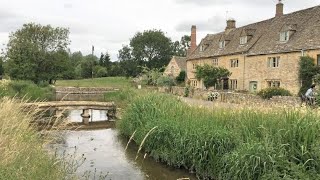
(267, 93)
(224, 144)
(307, 70)
(211, 75)
(38, 53)
(181, 77)
(26, 90)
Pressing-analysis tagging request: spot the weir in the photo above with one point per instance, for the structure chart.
(59, 107)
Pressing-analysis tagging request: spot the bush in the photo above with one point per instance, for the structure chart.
(165, 81)
(273, 91)
(181, 77)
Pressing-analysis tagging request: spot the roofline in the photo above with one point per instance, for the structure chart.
(248, 55)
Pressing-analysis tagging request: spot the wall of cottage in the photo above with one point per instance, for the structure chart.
(236, 98)
(256, 69)
(172, 69)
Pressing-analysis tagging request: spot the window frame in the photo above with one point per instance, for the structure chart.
(273, 62)
(222, 44)
(273, 83)
(243, 40)
(284, 36)
(234, 63)
(215, 62)
(233, 84)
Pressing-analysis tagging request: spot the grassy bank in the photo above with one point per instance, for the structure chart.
(26, 90)
(22, 154)
(224, 144)
(115, 82)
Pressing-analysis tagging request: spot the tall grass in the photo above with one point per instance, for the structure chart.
(226, 144)
(22, 154)
(121, 97)
(25, 89)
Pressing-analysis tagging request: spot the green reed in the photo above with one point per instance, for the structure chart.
(225, 143)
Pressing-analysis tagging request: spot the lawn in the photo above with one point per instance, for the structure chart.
(116, 82)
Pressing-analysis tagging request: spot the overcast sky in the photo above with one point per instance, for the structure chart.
(109, 24)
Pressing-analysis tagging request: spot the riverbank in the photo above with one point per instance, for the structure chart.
(22, 155)
(225, 144)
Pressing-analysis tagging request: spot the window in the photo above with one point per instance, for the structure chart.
(243, 39)
(234, 62)
(222, 44)
(215, 62)
(273, 61)
(284, 36)
(201, 48)
(194, 83)
(194, 66)
(233, 84)
(273, 83)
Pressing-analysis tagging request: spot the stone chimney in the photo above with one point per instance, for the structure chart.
(279, 9)
(231, 24)
(193, 44)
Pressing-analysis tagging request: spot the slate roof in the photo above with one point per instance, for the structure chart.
(182, 62)
(264, 36)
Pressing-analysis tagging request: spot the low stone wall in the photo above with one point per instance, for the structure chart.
(84, 90)
(236, 98)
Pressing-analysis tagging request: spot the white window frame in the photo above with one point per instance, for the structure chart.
(284, 36)
(194, 83)
(215, 62)
(273, 83)
(273, 62)
(233, 84)
(222, 44)
(243, 39)
(234, 63)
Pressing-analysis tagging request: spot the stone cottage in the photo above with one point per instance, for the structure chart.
(260, 55)
(175, 66)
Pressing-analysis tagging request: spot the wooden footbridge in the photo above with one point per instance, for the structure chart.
(61, 106)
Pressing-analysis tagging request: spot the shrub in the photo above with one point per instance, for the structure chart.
(273, 91)
(165, 81)
(181, 77)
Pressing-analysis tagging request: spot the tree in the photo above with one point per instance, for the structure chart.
(129, 65)
(211, 75)
(307, 71)
(76, 57)
(1, 67)
(181, 48)
(33, 51)
(87, 66)
(105, 60)
(151, 47)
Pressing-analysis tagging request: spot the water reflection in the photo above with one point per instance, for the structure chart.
(104, 151)
(96, 115)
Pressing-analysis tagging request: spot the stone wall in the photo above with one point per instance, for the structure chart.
(235, 98)
(84, 90)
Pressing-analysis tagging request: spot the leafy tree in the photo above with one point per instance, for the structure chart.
(151, 47)
(181, 48)
(129, 65)
(105, 60)
(32, 52)
(76, 58)
(211, 75)
(307, 71)
(87, 66)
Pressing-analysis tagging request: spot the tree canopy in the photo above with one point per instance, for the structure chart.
(38, 53)
(211, 75)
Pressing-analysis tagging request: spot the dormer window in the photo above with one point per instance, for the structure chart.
(284, 36)
(201, 48)
(222, 44)
(243, 40)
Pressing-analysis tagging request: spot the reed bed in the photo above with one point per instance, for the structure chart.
(226, 144)
(22, 152)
